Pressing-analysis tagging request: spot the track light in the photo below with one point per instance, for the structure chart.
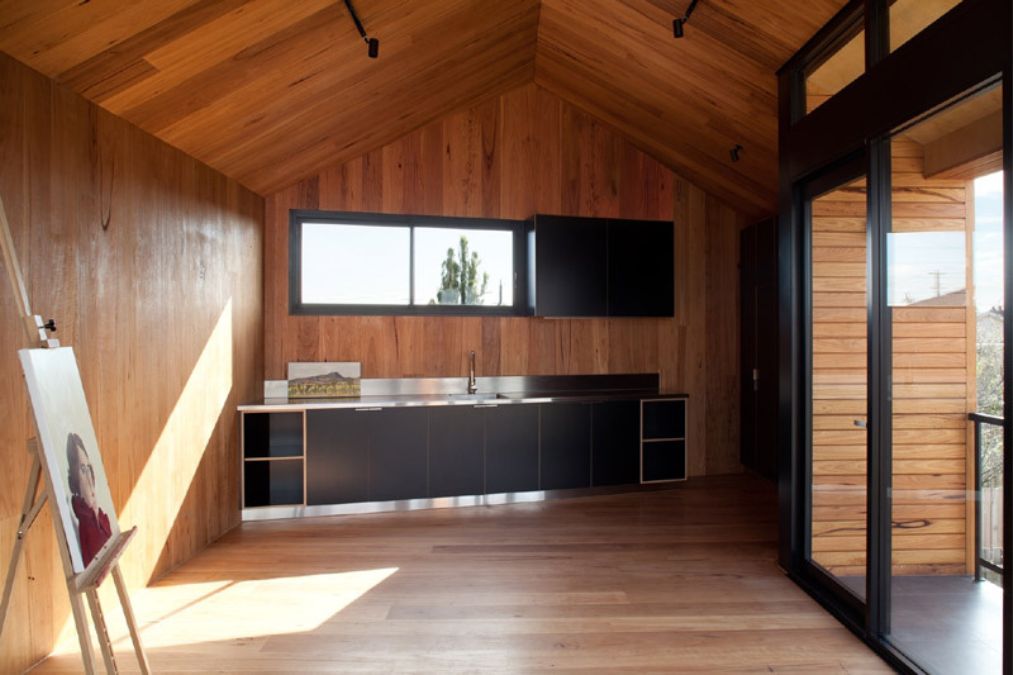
(372, 43)
(678, 25)
(735, 152)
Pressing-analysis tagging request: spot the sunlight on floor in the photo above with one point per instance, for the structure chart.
(226, 610)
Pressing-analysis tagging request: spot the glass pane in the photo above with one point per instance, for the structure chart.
(839, 380)
(841, 69)
(910, 17)
(464, 267)
(355, 264)
(945, 235)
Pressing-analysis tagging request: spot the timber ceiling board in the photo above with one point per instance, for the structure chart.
(689, 101)
(271, 91)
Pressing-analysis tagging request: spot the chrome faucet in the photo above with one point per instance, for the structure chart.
(472, 384)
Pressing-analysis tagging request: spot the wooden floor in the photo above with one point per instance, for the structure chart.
(682, 580)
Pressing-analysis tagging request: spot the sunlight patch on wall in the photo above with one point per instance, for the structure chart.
(162, 487)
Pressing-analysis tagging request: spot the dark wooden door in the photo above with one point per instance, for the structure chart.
(759, 348)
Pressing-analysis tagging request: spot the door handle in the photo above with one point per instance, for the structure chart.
(861, 424)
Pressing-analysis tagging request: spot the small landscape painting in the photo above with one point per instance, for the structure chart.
(324, 380)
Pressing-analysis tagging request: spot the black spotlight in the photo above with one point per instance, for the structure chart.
(679, 25)
(734, 153)
(372, 44)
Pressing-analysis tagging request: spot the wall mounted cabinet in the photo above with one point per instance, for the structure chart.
(601, 267)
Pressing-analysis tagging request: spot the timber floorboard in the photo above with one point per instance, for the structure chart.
(679, 580)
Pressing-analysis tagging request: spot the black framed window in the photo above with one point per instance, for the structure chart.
(368, 263)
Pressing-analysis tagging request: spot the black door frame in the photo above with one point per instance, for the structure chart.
(967, 47)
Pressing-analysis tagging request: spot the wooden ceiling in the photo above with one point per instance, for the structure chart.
(271, 91)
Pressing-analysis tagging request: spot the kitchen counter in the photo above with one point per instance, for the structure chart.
(415, 400)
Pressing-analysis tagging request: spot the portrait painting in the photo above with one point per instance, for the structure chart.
(77, 479)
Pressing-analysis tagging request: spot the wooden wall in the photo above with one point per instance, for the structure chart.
(523, 153)
(933, 384)
(150, 262)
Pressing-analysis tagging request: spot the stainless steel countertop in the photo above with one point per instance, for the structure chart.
(479, 399)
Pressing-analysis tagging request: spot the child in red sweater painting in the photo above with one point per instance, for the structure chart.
(93, 528)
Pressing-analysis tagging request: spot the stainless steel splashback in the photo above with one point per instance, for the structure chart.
(511, 384)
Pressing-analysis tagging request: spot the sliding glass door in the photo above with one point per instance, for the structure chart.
(902, 343)
(837, 308)
(943, 369)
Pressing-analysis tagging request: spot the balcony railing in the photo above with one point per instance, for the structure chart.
(988, 488)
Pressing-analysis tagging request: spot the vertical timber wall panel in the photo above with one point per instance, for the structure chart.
(150, 262)
(523, 153)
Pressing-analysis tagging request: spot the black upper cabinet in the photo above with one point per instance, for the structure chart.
(640, 271)
(601, 267)
(570, 266)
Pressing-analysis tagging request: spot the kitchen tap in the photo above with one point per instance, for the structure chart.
(472, 384)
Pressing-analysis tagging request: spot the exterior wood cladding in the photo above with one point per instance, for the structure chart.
(150, 263)
(516, 155)
(933, 385)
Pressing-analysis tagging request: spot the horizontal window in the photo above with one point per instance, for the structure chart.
(355, 263)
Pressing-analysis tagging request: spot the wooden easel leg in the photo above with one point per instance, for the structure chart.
(29, 510)
(128, 612)
(83, 636)
(104, 643)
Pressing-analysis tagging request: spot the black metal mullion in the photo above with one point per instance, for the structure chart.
(879, 393)
(1007, 528)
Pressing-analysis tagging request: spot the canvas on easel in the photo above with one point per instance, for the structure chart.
(79, 490)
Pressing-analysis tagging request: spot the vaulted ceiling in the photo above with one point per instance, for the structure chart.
(270, 91)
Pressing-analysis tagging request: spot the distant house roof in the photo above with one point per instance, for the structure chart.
(954, 299)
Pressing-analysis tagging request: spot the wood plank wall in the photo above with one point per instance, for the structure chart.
(150, 262)
(933, 380)
(523, 153)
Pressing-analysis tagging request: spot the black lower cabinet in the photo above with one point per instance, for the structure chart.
(566, 446)
(615, 443)
(397, 454)
(456, 465)
(337, 456)
(511, 448)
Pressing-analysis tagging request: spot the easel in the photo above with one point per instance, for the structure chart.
(83, 585)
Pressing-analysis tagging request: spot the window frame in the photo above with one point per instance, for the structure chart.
(297, 307)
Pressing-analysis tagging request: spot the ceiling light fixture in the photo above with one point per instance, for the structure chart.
(373, 44)
(677, 24)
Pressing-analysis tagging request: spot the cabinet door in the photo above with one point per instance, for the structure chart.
(570, 271)
(615, 443)
(337, 456)
(511, 448)
(565, 445)
(397, 454)
(641, 272)
(455, 451)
